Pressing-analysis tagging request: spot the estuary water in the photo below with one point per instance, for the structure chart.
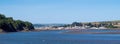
(59, 37)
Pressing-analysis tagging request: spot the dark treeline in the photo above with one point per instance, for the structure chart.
(8, 24)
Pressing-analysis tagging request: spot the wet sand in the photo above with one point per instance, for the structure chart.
(91, 32)
(94, 31)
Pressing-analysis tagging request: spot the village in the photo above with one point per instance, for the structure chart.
(89, 25)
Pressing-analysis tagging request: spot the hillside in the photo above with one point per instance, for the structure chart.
(107, 24)
(8, 24)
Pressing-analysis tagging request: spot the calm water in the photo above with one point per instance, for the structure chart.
(58, 37)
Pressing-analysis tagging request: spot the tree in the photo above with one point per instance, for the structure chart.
(76, 24)
(2, 16)
(8, 24)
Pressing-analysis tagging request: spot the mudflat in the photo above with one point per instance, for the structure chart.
(94, 31)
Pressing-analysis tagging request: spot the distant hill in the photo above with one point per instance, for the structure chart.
(107, 24)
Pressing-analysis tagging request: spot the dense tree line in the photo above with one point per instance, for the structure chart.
(8, 24)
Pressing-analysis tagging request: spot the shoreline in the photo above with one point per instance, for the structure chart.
(91, 33)
(80, 29)
(94, 31)
(86, 31)
(76, 31)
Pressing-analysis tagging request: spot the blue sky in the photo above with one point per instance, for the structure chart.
(61, 11)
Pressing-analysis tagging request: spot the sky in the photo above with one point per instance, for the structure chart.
(61, 11)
